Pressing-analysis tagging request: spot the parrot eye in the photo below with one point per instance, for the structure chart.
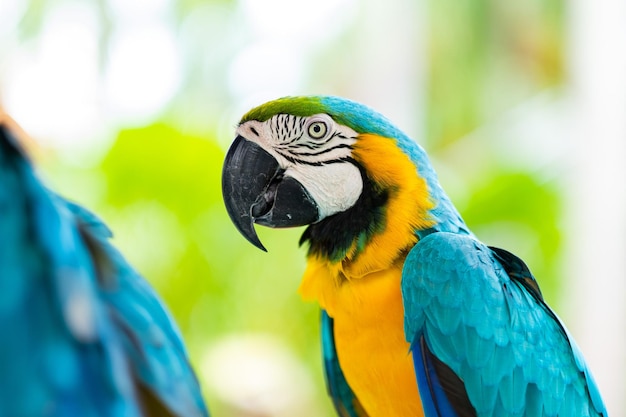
(317, 129)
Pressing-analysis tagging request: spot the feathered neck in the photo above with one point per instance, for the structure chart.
(384, 223)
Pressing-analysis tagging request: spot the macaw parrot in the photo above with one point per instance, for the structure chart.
(419, 317)
(84, 334)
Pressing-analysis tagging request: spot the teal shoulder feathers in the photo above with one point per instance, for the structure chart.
(469, 306)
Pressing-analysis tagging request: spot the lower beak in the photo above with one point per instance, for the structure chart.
(255, 190)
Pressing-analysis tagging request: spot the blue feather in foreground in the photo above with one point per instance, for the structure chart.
(84, 334)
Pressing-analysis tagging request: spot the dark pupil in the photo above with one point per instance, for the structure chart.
(317, 129)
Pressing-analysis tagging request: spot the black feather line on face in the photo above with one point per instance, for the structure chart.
(322, 151)
(334, 236)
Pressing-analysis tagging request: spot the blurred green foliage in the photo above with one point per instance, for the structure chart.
(486, 56)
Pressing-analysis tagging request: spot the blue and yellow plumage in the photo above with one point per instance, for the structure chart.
(84, 334)
(419, 317)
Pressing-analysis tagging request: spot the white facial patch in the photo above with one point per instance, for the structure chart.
(335, 188)
(316, 152)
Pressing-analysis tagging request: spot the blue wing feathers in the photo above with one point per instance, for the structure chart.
(77, 343)
(434, 399)
(481, 313)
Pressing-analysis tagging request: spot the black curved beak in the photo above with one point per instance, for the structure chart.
(256, 191)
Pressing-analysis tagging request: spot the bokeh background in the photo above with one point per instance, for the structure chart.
(522, 105)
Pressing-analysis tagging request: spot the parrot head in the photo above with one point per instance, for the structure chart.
(337, 166)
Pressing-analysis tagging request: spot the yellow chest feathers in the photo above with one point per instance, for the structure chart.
(369, 336)
(362, 292)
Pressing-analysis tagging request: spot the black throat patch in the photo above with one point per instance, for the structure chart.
(334, 236)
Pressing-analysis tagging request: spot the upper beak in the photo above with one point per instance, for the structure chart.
(256, 191)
